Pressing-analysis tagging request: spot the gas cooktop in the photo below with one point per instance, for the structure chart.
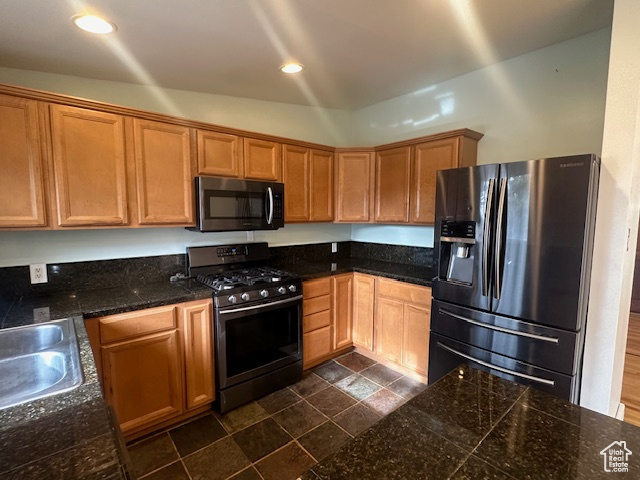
(244, 277)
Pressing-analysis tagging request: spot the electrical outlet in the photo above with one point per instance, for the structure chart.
(334, 247)
(38, 273)
(251, 236)
(41, 314)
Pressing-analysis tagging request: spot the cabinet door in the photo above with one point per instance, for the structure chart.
(143, 379)
(363, 298)
(342, 286)
(393, 173)
(219, 154)
(389, 323)
(354, 185)
(317, 344)
(262, 160)
(295, 175)
(164, 174)
(89, 167)
(21, 182)
(198, 352)
(321, 200)
(415, 345)
(429, 158)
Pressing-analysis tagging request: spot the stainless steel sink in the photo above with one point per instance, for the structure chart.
(21, 341)
(37, 361)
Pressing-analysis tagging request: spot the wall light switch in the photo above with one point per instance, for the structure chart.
(38, 273)
(334, 267)
(334, 247)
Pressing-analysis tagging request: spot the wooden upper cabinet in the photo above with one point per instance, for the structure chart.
(342, 290)
(164, 173)
(295, 175)
(429, 158)
(219, 154)
(321, 195)
(363, 301)
(393, 174)
(22, 197)
(262, 160)
(354, 187)
(89, 167)
(198, 352)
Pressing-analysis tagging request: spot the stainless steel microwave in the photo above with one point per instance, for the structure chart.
(227, 204)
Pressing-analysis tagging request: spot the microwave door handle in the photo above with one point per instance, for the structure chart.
(269, 205)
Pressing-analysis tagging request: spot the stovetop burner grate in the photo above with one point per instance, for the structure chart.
(243, 278)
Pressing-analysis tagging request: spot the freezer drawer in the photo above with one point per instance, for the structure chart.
(446, 354)
(546, 347)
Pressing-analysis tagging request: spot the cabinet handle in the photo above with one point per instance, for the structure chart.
(495, 367)
(500, 329)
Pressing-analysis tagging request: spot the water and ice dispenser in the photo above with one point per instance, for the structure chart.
(457, 252)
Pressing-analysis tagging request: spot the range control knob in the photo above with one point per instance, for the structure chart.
(282, 290)
(232, 299)
(264, 293)
(292, 288)
(244, 296)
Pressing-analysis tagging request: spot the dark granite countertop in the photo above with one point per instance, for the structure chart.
(70, 435)
(415, 274)
(472, 425)
(65, 436)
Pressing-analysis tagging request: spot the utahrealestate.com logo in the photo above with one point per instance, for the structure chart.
(616, 457)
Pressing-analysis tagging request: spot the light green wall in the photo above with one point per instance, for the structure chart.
(548, 102)
(319, 125)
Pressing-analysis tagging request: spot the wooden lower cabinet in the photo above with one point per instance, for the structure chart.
(342, 291)
(142, 379)
(402, 319)
(316, 321)
(363, 298)
(388, 318)
(197, 330)
(150, 377)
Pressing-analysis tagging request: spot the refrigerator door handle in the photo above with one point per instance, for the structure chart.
(500, 329)
(485, 238)
(498, 245)
(495, 367)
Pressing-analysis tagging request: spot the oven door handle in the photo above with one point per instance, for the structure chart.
(262, 305)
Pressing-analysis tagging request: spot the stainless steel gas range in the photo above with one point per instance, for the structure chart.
(257, 321)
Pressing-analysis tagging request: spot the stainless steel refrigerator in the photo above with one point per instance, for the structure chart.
(512, 247)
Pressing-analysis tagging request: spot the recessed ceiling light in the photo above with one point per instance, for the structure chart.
(291, 68)
(93, 24)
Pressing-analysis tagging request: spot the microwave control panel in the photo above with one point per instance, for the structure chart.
(278, 209)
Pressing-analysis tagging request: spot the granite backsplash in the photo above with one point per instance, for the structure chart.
(140, 271)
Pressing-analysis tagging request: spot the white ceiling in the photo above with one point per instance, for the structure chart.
(356, 52)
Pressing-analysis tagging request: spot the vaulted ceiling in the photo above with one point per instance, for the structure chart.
(355, 52)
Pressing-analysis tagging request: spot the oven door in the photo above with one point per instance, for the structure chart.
(251, 341)
(226, 204)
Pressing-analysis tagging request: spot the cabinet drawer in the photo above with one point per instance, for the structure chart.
(317, 320)
(134, 324)
(316, 288)
(317, 344)
(405, 292)
(315, 305)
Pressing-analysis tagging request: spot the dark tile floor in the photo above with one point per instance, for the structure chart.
(283, 434)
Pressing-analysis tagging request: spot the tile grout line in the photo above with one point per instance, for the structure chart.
(184, 465)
